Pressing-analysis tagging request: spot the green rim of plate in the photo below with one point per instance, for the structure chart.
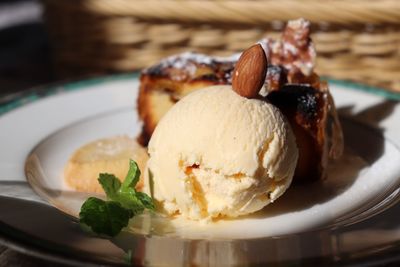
(37, 93)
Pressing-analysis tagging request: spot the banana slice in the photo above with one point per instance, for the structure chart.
(109, 155)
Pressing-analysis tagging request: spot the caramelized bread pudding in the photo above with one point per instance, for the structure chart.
(291, 85)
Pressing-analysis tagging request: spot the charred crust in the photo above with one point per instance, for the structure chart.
(155, 71)
(304, 99)
(305, 107)
(144, 137)
(208, 77)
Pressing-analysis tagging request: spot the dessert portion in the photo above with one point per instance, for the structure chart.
(110, 155)
(220, 152)
(290, 84)
(260, 120)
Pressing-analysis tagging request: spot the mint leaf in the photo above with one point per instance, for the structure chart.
(110, 184)
(146, 200)
(104, 217)
(128, 198)
(124, 202)
(133, 175)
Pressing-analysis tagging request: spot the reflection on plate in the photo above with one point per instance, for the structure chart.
(349, 218)
(351, 188)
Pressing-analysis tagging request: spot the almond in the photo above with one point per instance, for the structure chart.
(249, 73)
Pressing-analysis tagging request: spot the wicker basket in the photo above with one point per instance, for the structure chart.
(357, 40)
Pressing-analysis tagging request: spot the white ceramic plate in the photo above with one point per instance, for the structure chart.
(362, 185)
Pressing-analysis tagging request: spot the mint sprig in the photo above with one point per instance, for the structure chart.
(124, 202)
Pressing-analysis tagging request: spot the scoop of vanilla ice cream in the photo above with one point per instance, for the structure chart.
(216, 153)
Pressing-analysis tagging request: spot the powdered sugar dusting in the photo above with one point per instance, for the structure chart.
(186, 61)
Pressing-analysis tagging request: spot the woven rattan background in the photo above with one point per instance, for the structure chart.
(357, 40)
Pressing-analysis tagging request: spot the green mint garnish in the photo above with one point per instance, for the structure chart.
(124, 202)
(104, 217)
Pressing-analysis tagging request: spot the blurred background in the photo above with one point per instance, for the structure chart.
(24, 47)
(53, 40)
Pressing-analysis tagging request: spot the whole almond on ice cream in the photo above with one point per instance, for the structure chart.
(249, 73)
